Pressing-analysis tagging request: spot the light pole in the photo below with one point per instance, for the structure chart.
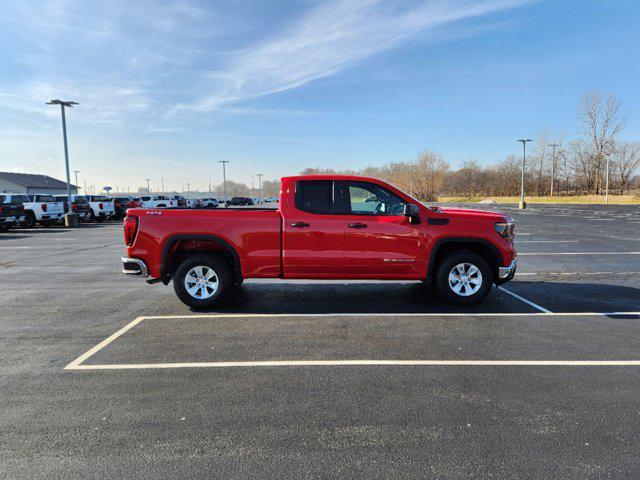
(553, 166)
(606, 188)
(224, 178)
(524, 141)
(76, 172)
(162, 181)
(260, 175)
(148, 189)
(70, 218)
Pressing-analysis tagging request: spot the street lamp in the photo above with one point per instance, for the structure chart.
(148, 189)
(606, 188)
(224, 178)
(70, 218)
(524, 141)
(76, 172)
(260, 175)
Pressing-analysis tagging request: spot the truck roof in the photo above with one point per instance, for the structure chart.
(357, 178)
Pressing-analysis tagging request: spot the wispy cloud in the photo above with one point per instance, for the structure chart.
(330, 39)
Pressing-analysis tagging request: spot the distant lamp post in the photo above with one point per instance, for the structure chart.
(70, 218)
(224, 178)
(524, 141)
(148, 188)
(76, 172)
(606, 187)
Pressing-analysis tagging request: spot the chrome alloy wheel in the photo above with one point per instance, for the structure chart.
(201, 282)
(465, 279)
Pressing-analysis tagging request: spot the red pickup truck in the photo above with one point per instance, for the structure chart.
(326, 227)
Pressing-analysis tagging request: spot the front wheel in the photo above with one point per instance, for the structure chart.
(464, 278)
(202, 280)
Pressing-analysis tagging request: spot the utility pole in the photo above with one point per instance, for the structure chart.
(606, 194)
(162, 180)
(411, 179)
(70, 218)
(188, 187)
(148, 188)
(84, 191)
(553, 166)
(224, 177)
(209, 183)
(260, 175)
(524, 141)
(76, 172)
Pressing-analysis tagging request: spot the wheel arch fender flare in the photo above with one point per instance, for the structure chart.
(166, 248)
(443, 243)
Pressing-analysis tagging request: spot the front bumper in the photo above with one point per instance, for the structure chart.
(506, 273)
(134, 266)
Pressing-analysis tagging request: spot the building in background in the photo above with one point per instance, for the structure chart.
(31, 184)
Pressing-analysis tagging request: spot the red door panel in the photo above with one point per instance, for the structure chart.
(387, 247)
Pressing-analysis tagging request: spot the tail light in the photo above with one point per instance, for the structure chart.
(74, 207)
(44, 207)
(117, 205)
(100, 206)
(2, 209)
(130, 229)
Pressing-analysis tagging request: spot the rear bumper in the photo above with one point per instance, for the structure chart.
(506, 273)
(134, 266)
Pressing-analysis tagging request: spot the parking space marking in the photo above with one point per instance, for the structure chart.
(103, 344)
(578, 253)
(522, 299)
(335, 363)
(77, 363)
(527, 274)
(547, 241)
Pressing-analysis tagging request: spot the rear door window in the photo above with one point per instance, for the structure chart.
(315, 196)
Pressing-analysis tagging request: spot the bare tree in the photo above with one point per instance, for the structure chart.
(602, 122)
(625, 164)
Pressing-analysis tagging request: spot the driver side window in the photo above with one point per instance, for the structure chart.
(371, 199)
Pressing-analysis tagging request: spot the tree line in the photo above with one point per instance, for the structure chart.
(554, 165)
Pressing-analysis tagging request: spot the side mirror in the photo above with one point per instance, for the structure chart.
(413, 212)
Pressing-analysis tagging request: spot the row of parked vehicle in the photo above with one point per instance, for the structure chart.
(43, 209)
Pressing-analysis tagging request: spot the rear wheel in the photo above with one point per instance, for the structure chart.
(202, 280)
(29, 220)
(464, 278)
(91, 217)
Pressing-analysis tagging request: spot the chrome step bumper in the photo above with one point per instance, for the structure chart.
(134, 266)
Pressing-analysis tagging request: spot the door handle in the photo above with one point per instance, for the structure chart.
(357, 225)
(299, 224)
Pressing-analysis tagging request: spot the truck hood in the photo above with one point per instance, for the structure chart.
(472, 214)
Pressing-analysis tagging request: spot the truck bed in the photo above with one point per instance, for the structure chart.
(254, 233)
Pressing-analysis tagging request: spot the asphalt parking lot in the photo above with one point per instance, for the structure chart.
(102, 375)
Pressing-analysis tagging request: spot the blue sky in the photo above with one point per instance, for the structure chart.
(166, 89)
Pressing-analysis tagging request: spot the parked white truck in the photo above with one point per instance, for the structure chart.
(102, 208)
(42, 209)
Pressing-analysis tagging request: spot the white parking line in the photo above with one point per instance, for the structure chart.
(335, 363)
(522, 299)
(77, 363)
(547, 241)
(579, 253)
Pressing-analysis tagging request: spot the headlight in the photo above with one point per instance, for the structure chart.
(504, 229)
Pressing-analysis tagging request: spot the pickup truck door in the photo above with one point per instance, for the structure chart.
(313, 235)
(379, 240)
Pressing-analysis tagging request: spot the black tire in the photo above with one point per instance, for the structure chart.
(29, 220)
(91, 217)
(464, 297)
(45, 223)
(222, 273)
(100, 218)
